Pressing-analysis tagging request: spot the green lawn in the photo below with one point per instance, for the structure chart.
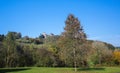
(59, 70)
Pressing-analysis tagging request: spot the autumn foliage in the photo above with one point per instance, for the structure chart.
(116, 56)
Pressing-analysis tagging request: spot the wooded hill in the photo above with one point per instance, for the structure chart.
(70, 49)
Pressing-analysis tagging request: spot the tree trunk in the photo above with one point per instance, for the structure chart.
(75, 63)
(75, 66)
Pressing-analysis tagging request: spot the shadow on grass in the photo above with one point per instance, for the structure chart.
(90, 69)
(12, 70)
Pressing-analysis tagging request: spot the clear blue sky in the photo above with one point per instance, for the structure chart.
(100, 18)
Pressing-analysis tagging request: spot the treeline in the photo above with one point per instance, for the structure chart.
(70, 49)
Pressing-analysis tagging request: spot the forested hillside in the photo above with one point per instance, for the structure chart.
(70, 49)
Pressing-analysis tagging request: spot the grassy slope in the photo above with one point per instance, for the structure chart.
(60, 70)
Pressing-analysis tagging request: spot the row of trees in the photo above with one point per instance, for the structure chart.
(70, 49)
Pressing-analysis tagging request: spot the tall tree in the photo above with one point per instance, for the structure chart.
(70, 41)
(10, 46)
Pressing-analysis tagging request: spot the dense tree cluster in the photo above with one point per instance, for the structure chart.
(70, 49)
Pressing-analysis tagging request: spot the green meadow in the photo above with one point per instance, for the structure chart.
(59, 70)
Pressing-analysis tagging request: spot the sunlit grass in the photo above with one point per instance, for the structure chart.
(59, 70)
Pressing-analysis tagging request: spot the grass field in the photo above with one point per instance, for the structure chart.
(59, 70)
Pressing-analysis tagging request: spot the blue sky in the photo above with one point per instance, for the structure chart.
(99, 18)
